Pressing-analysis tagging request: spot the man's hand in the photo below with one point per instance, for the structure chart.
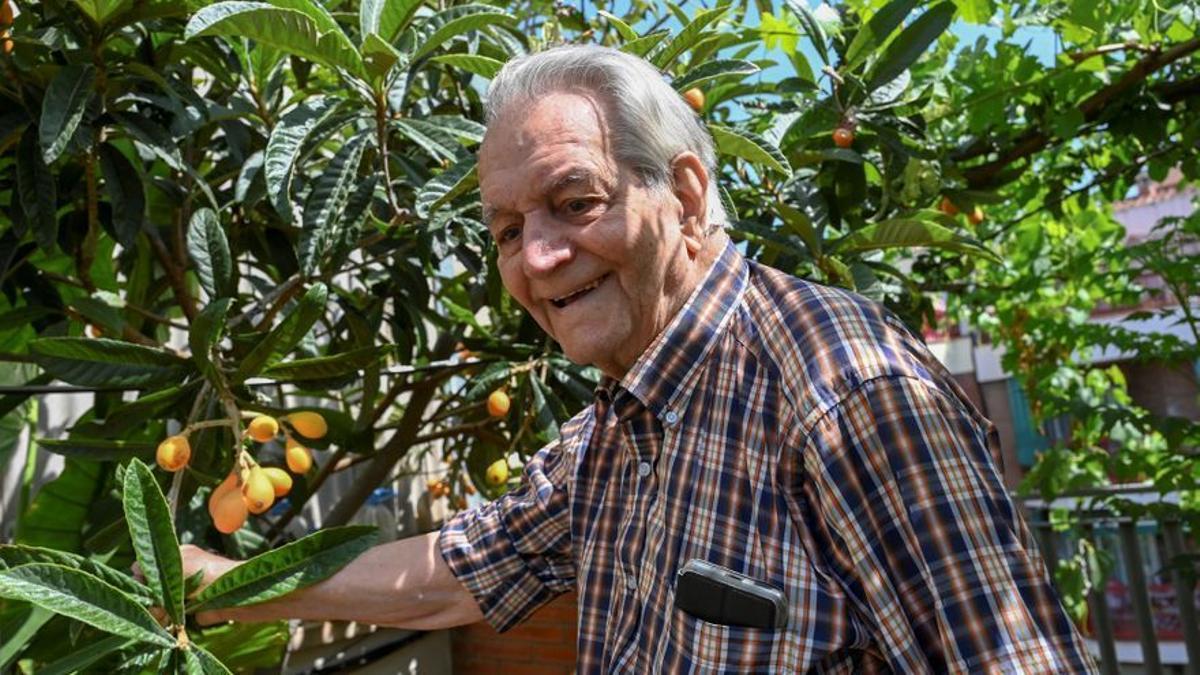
(196, 559)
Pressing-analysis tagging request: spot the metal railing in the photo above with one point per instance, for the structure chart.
(1166, 541)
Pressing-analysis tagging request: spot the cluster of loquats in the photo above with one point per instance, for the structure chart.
(949, 208)
(249, 487)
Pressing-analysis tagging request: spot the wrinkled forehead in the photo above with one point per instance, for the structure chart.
(561, 138)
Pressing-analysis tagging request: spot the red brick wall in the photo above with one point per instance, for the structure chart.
(543, 645)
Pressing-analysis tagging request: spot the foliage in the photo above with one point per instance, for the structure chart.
(211, 205)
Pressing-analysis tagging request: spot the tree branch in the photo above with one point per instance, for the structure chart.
(1033, 140)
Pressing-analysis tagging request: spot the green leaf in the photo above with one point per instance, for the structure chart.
(483, 66)
(151, 528)
(82, 597)
(245, 647)
(209, 250)
(91, 362)
(126, 194)
(812, 27)
(63, 106)
(644, 44)
(36, 187)
(101, 11)
(57, 515)
(713, 70)
(197, 661)
(386, 18)
(325, 367)
(325, 204)
(286, 335)
(292, 30)
(909, 232)
(626, 32)
(79, 658)
(465, 18)
(975, 11)
(204, 332)
(149, 134)
(910, 44)
(15, 555)
(99, 449)
(431, 138)
(19, 625)
(379, 56)
(283, 149)
(799, 222)
(876, 31)
(444, 187)
(297, 565)
(750, 147)
(688, 37)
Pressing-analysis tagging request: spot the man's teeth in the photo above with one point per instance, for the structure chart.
(562, 301)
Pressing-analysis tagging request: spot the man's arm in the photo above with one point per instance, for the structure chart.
(404, 584)
(917, 527)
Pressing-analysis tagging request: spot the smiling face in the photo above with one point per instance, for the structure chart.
(600, 261)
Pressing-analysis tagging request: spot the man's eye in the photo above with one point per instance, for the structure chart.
(577, 206)
(508, 234)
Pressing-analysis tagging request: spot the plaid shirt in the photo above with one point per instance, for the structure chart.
(799, 435)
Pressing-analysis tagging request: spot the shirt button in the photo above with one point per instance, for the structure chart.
(672, 417)
(630, 583)
(644, 469)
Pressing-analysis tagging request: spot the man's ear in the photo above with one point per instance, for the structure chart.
(690, 187)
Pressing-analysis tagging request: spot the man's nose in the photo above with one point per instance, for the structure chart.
(546, 247)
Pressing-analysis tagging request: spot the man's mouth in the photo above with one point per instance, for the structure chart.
(564, 300)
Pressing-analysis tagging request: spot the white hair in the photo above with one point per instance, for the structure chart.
(651, 121)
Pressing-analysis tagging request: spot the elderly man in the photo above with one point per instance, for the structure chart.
(795, 434)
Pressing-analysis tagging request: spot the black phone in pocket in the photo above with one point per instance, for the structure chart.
(719, 595)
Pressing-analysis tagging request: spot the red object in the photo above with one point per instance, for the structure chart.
(843, 137)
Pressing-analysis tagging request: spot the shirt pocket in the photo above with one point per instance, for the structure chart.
(706, 647)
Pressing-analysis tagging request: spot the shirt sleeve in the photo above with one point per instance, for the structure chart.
(513, 554)
(918, 529)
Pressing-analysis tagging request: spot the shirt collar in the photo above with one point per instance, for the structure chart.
(661, 374)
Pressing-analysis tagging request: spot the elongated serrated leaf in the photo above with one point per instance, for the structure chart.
(750, 147)
(447, 185)
(689, 36)
(63, 106)
(325, 203)
(204, 332)
(296, 565)
(209, 251)
(386, 18)
(101, 11)
(19, 624)
(626, 32)
(288, 29)
(910, 44)
(876, 31)
(430, 138)
(644, 44)
(909, 233)
(56, 516)
(485, 381)
(325, 367)
(126, 193)
(812, 27)
(154, 542)
(713, 70)
(197, 661)
(456, 126)
(99, 449)
(136, 412)
(158, 140)
(14, 555)
(379, 56)
(101, 361)
(467, 18)
(483, 66)
(36, 187)
(80, 657)
(283, 148)
(286, 335)
(82, 597)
